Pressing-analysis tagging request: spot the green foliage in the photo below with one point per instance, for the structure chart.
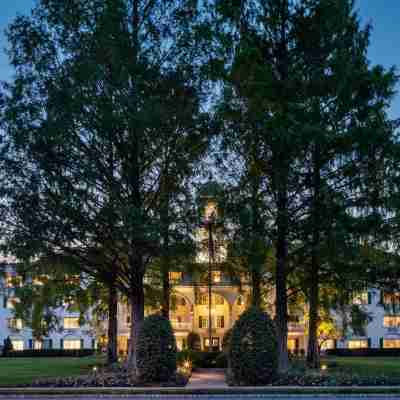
(359, 320)
(226, 340)
(156, 352)
(50, 353)
(193, 341)
(253, 353)
(8, 347)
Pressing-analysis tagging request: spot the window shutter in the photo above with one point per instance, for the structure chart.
(50, 343)
(30, 344)
(369, 298)
(61, 343)
(381, 297)
(369, 343)
(4, 301)
(335, 343)
(82, 343)
(93, 343)
(381, 342)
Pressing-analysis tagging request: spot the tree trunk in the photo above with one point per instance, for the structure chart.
(165, 261)
(256, 287)
(280, 280)
(166, 289)
(313, 348)
(257, 256)
(137, 317)
(112, 346)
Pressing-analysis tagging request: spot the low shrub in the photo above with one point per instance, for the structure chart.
(7, 348)
(363, 352)
(107, 377)
(156, 350)
(51, 353)
(309, 378)
(253, 350)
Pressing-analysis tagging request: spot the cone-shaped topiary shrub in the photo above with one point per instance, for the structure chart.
(253, 350)
(156, 351)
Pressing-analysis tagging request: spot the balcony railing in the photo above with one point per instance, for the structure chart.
(393, 329)
(180, 325)
(295, 327)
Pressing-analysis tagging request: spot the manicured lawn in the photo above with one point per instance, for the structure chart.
(18, 371)
(364, 366)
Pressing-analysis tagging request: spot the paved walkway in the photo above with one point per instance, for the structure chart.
(207, 378)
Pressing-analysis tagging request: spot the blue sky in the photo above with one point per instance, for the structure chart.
(383, 14)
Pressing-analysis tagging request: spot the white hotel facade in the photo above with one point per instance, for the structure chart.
(190, 313)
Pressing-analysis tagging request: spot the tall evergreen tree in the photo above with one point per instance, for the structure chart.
(85, 125)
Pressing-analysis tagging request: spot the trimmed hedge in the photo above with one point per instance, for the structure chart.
(156, 350)
(253, 350)
(363, 352)
(51, 353)
(8, 347)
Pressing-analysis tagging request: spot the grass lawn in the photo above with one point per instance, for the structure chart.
(364, 366)
(18, 371)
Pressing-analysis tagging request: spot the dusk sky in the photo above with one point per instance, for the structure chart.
(384, 49)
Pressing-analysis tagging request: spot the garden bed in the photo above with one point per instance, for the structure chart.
(116, 376)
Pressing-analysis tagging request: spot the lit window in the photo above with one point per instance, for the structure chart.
(202, 300)
(37, 344)
(358, 344)
(10, 304)
(18, 345)
(216, 276)
(72, 279)
(71, 323)
(203, 322)
(220, 321)
(214, 341)
(240, 301)
(40, 280)
(72, 344)
(360, 298)
(210, 210)
(328, 344)
(13, 281)
(391, 321)
(391, 343)
(175, 276)
(15, 323)
(391, 298)
(292, 344)
(219, 300)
